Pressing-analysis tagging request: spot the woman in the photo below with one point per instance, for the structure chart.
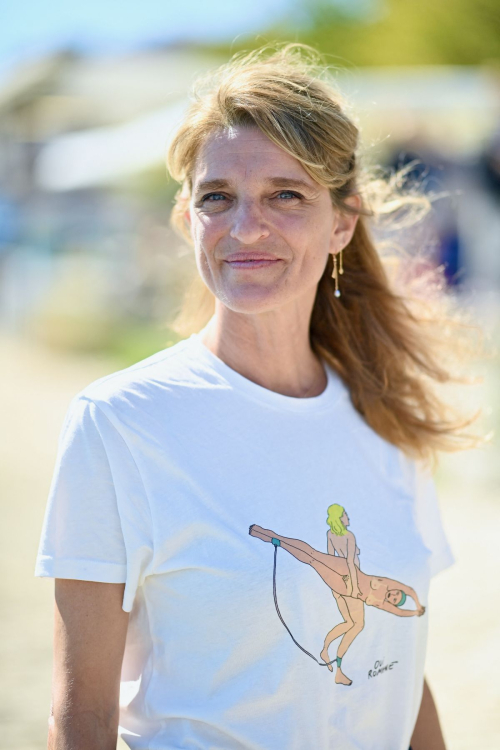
(341, 541)
(303, 379)
(383, 593)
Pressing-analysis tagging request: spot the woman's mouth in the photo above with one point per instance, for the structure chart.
(254, 263)
(250, 260)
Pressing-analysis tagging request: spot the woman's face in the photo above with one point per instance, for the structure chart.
(345, 519)
(251, 200)
(394, 596)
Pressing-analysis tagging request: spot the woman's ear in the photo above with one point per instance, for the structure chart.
(344, 225)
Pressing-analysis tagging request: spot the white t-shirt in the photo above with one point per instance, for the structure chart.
(162, 468)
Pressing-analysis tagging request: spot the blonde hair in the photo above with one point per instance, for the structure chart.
(384, 341)
(335, 513)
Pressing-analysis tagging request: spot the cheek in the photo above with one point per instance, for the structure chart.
(205, 232)
(312, 235)
(198, 232)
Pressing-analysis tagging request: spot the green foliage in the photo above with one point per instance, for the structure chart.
(154, 185)
(133, 341)
(393, 32)
(124, 341)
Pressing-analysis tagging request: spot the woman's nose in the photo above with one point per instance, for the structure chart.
(248, 224)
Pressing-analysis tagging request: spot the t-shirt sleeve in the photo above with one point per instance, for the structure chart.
(430, 522)
(97, 524)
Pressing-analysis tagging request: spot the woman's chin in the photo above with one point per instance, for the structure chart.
(251, 300)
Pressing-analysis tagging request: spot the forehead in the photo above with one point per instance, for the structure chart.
(247, 153)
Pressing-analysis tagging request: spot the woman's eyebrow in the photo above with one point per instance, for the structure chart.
(290, 182)
(211, 185)
(219, 184)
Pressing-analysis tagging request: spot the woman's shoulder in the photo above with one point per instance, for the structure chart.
(161, 373)
(338, 539)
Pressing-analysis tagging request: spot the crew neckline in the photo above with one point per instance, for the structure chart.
(332, 393)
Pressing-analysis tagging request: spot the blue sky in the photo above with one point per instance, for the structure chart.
(31, 27)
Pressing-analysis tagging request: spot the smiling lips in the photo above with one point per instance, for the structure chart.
(250, 260)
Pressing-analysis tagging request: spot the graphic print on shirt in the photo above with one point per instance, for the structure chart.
(352, 589)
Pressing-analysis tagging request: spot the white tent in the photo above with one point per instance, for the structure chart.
(103, 155)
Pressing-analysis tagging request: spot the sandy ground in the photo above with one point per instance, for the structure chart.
(464, 608)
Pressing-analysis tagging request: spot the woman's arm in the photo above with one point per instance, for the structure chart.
(351, 551)
(427, 734)
(392, 584)
(388, 607)
(330, 544)
(409, 592)
(90, 629)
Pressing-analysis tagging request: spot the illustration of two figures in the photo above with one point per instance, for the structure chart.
(340, 570)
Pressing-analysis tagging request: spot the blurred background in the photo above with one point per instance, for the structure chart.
(91, 275)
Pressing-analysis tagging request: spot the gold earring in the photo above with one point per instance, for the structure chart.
(341, 267)
(335, 276)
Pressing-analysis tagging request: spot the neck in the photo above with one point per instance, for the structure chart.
(268, 349)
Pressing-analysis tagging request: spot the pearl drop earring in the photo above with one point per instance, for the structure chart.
(335, 274)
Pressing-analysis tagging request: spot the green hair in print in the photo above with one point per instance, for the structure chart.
(335, 513)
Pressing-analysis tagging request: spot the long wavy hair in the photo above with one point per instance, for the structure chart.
(335, 513)
(386, 335)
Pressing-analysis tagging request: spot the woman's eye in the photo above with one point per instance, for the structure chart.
(215, 196)
(288, 193)
(285, 195)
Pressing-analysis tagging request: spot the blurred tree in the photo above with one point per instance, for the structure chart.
(456, 32)
(391, 32)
